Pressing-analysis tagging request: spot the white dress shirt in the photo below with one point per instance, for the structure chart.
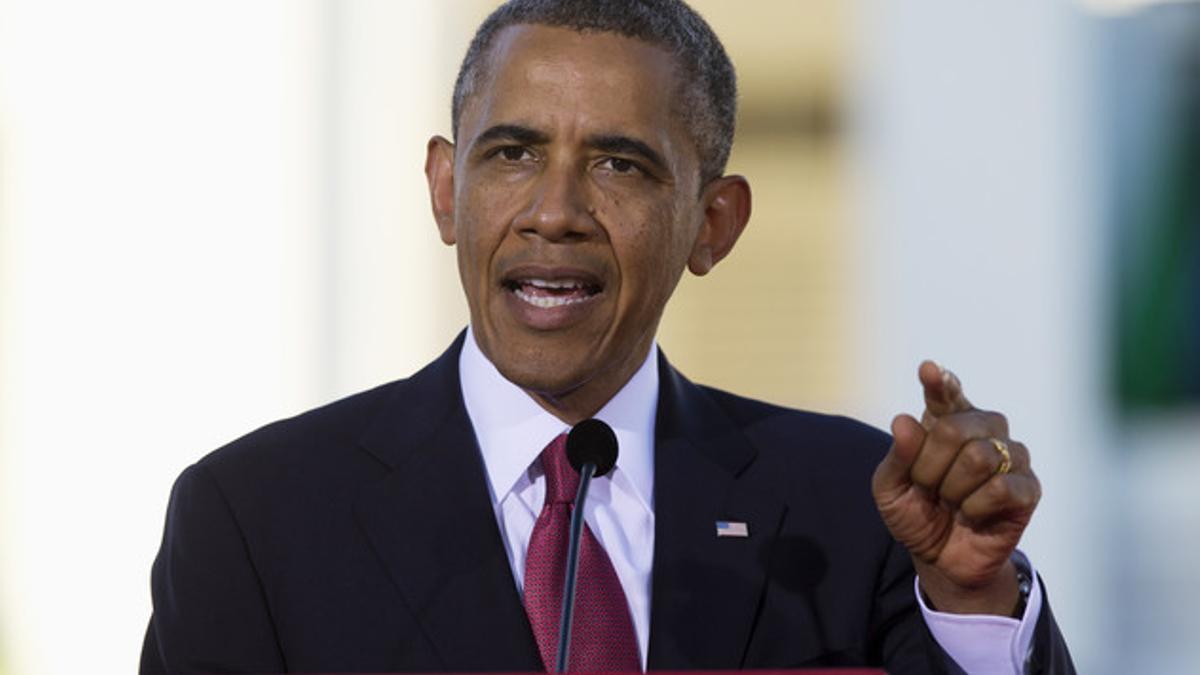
(512, 429)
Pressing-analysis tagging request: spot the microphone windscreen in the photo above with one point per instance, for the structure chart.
(592, 441)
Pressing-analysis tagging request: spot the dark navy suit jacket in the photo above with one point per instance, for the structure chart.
(360, 537)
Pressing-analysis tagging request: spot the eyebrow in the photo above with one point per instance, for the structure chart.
(512, 132)
(624, 145)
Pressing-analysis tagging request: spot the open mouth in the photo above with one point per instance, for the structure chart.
(550, 293)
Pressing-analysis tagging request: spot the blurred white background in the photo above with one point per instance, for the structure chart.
(212, 215)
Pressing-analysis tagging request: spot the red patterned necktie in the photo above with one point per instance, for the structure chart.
(602, 636)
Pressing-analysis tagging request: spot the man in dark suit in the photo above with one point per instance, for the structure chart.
(394, 530)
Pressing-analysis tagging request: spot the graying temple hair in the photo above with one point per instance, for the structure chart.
(709, 85)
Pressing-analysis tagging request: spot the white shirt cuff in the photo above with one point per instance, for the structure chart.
(982, 643)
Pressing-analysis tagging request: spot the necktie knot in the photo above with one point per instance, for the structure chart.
(562, 481)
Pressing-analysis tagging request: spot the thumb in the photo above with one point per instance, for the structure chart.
(892, 475)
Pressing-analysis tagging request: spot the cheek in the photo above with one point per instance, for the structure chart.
(651, 248)
(480, 229)
(635, 217)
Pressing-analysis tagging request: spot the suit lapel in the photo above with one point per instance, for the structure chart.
(430, 521)
(706, 590)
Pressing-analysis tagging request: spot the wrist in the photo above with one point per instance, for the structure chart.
(1005, 593)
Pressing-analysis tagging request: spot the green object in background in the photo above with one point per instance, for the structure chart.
(1158, 310)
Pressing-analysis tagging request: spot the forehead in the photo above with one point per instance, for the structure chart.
(549, 75)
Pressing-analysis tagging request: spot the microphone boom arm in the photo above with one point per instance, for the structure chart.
(564, 633)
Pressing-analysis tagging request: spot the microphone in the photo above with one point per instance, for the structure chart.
(592, 441)
(592, 451)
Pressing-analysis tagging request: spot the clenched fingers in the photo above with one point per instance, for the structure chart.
(1003, 496)
(976, 464)
(946, 440)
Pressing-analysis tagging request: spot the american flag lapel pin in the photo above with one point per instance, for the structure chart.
(732, 528)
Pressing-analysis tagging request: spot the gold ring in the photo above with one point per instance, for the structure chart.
(1005, 458)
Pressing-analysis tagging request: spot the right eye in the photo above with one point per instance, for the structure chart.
(514, 153)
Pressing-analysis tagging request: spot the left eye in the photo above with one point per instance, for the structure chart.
(618, 165)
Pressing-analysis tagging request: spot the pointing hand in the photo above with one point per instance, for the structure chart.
(957, 492)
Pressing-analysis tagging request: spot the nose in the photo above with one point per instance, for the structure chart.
(557, 209)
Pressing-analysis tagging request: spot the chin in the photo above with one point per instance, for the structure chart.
(536, 371)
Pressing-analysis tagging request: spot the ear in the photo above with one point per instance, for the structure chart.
(439, 172)
(726, 212)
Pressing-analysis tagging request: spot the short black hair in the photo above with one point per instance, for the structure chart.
(709, 84)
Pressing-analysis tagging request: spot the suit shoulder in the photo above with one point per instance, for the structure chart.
(332, 425)
(767, 417)
(771, 426)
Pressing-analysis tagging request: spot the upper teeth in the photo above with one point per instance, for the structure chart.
(547, 301)
(546, 283)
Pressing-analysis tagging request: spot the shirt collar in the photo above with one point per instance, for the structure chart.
(512, 429)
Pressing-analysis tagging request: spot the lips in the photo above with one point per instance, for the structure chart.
(546, 297)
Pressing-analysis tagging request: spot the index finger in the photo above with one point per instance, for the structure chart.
(943, 391)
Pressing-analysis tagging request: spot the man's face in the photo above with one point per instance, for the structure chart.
(575, 204)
